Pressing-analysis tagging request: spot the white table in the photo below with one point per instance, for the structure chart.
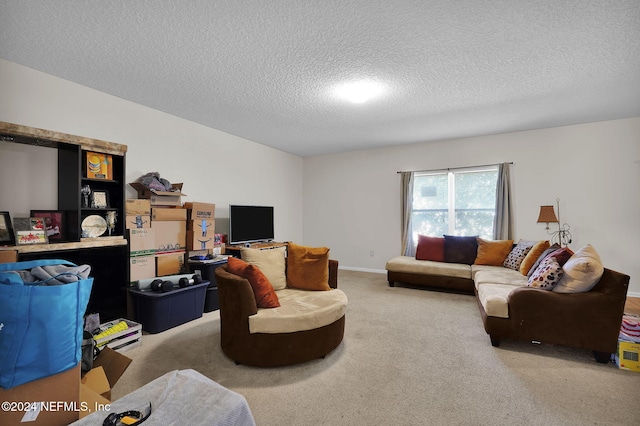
(182, 397)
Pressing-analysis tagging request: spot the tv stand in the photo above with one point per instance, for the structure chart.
(236, 249)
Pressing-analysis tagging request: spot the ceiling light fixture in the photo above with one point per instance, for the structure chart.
(360, 91)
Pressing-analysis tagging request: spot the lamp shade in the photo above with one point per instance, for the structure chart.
(547, 214)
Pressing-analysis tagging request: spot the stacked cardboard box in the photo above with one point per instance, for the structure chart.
(142, 242)
(201, 226)
(170, 225)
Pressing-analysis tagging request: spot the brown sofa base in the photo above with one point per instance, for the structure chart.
(434, 281)
(588, 320)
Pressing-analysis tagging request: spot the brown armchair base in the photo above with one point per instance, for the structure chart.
(237, 303)
(276, 350)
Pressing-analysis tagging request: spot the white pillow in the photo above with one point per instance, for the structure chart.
(547, 274)
(271, 262)
(581, 272)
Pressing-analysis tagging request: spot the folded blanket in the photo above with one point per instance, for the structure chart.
(54, 274)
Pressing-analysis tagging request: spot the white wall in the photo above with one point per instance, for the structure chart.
(214, 166)
(352, 200)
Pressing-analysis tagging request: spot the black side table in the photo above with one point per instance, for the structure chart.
(207, 270)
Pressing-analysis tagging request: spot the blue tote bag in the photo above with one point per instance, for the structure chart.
(40, 325)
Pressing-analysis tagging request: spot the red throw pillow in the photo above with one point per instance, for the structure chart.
(562, 255)
(430, 248)
(263, 291)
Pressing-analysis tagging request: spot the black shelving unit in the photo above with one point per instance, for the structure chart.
(108, 256)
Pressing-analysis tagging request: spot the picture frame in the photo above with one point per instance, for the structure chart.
(55, 223)
(100, 199)
(30, 230)
(7, 237)
(99, 166)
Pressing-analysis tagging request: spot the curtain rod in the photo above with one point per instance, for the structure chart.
(456, 168)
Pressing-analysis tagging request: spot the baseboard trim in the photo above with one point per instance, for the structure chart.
(633, 294)
(353, 268)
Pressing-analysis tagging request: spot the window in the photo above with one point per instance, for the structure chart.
(454, 202)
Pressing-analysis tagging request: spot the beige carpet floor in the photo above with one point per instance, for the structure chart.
(409, 357)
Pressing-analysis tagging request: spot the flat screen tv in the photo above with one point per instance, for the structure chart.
(249, 224)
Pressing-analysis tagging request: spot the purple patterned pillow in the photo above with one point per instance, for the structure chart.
(547, 274)
(517, 255)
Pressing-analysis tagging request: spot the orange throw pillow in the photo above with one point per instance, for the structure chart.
(308, 267)
(263, 291)
(493, 252)
(533, 255)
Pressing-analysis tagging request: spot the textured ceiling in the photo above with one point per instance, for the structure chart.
(265, 69)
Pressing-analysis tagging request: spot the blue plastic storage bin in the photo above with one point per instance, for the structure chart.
(158, 312)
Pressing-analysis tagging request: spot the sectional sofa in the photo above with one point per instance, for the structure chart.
(528, 290)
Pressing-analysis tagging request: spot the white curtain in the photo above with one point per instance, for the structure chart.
(503, 220)
(408, 246)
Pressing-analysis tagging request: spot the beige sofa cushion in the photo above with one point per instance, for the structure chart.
(493, 298)
(493, 285)
(408, 264)
(497, 275)
(300, 310)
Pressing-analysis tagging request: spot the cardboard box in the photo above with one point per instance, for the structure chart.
(208, 226)
(170, 235)
(627, 356)
(218, 249)
(136, 206)
(160, 198)
(138, 222)
(168, 213)
(195, 241)
(170, 263)
(99, 166)
(109, 365)
(59, 391)
(200, 210)
(8, 256)
(142, 242)
(141, 267)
